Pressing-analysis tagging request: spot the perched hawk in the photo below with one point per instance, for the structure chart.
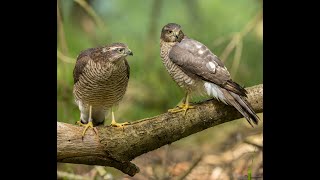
(101, 77)
(197, 70)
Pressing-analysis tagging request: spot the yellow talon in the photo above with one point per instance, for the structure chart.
(115, 124)
(87, 126)
(80, 123)
(183, 107)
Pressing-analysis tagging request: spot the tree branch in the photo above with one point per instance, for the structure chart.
(116, 147)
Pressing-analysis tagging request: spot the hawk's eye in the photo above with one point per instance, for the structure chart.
(169, 31)
(121, 50)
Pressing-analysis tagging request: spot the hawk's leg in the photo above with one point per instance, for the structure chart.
(114, 123)
(184, 106)
(182, 102)
(89, 124)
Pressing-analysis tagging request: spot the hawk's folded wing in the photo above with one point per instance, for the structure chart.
(194, 57)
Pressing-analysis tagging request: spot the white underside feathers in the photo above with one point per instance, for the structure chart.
(214, 90)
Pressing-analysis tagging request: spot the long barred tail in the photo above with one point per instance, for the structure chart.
(242, 105)
(235, 95)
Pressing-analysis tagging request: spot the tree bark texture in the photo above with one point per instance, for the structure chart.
(116, 146)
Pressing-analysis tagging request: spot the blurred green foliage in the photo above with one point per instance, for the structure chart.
(138, 23)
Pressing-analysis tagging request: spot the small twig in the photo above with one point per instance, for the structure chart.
(64, 58)
(188, 171)
(232, 44)
(71, 176)
(91, 12)
(221, 40)
(237, 57)
(251, 24)
(152, 32)
(61, 35)
(236, 38)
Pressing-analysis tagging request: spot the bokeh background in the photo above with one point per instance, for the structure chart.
(232, 29)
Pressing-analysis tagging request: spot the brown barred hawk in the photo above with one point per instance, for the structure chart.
(198, 71)
(101, 78)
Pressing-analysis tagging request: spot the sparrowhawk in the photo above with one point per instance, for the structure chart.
(198, 71)
(101, 77)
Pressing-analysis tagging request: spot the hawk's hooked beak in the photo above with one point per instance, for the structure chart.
(179, 35)
(129, 52)
(176, 34)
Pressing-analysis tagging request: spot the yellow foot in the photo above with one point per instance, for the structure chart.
(115, 124)
(89, 125)
(183, 107)
(80, 123)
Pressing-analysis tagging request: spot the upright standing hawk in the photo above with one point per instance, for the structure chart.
(197, 70)
(101, 77)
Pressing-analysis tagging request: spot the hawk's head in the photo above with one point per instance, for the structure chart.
(172, 33)
(112, 52)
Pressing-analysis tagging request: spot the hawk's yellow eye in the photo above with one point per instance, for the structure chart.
(169, 31)
(121, 50)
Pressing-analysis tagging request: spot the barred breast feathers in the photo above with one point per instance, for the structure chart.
(183, 79)
(102, 84)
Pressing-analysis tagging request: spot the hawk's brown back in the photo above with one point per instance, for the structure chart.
(192, 56)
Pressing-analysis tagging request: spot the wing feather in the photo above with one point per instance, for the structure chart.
(81, 62)
(194, 57)
(128, 68)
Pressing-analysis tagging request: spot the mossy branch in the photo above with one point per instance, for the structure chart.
(116, 147)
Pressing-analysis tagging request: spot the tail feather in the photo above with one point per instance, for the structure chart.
(236, 88)
(242, 105)
(247, 107)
